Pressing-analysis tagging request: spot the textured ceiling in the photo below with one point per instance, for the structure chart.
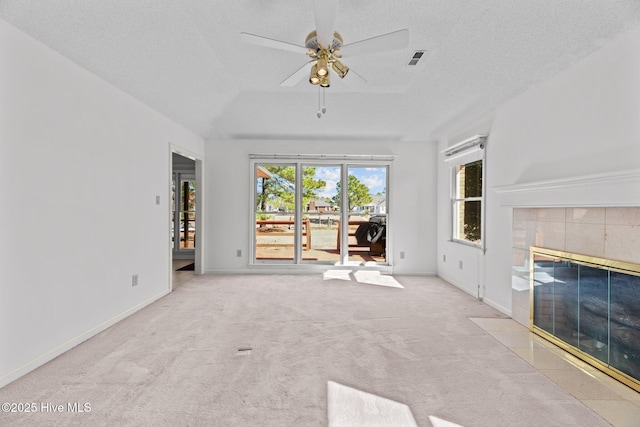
(185, 58)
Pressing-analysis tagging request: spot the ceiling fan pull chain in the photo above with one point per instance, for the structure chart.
(324, 100)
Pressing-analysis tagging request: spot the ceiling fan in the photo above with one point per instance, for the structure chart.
(326, 48)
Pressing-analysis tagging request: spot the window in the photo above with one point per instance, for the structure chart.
(467, 160)
(275, 212)
(467, 202)
(183, 202)
(302, 216)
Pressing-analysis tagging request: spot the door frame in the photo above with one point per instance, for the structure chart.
(200, 234)
(299, 161)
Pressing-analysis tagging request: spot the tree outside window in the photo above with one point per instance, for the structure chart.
(358, 193)
(278, 190)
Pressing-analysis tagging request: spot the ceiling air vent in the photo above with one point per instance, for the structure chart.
(416, 57)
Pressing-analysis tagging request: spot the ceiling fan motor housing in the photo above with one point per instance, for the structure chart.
(325, 57)
(311, 42)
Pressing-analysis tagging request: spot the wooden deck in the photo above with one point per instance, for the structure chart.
(275, 241)
(326, 255)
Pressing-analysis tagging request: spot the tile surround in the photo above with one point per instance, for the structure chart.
(525, 214)
(551, 215)
(622, 216)
(605, 232)
(586, 215)
(524, 232)
(550, 235)
(623, 243)
(585, 238)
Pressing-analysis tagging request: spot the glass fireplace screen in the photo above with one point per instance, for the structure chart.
(590, 307)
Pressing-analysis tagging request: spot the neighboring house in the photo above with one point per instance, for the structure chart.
(378, 205)
(320, 206)
(263, 173)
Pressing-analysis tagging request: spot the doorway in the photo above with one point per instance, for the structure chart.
(184, 218)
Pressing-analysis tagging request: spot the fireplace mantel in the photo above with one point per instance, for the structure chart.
(619, 188)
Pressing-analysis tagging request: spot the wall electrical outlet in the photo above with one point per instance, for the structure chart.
(239, 253)
(460, 264)
(157, 200)
(134, 280)
(444, 258)
(402, 255)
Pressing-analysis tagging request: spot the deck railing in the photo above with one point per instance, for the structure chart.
(356, 245)
(306, 232)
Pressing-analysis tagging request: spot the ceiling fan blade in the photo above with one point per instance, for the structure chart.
(355, 78)
(355, 81)
(297, 77)
(325, 13)
(271, 43)
(385, 42)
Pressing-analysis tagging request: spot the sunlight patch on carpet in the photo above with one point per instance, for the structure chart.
(337, 275)
(347, 406)
(363, 276)
(438, 422)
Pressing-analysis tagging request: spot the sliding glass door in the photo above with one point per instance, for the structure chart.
(367, 213)
(275, 212)
(303, 216)
(321, 213)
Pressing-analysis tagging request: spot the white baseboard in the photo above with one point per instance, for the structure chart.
(297, 269)
(60, 349)
(497, 306)
(458, 285)
(473, 293)
(311, 269)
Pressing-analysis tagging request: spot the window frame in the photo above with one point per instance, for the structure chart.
(297, 220)
(299, 162)
(456, 232)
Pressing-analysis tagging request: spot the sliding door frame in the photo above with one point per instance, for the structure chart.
(299, 162)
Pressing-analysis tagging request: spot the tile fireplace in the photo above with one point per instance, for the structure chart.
(582, 266)
(590, 307)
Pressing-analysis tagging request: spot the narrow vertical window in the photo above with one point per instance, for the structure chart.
(467, 202)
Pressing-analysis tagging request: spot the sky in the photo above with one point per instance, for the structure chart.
(374, 178)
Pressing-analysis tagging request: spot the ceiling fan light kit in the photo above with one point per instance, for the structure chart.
(321, 61)
(324, 58)
(314, 79)
(325, 81)
(323, 47)
(340, 69)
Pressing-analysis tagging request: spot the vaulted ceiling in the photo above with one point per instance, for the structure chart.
(184, 58)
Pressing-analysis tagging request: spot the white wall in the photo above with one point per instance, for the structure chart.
(573, 140)
(81, 166)
(412, 196)
(459, 264)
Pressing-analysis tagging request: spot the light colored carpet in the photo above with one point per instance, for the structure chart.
(269, 350)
